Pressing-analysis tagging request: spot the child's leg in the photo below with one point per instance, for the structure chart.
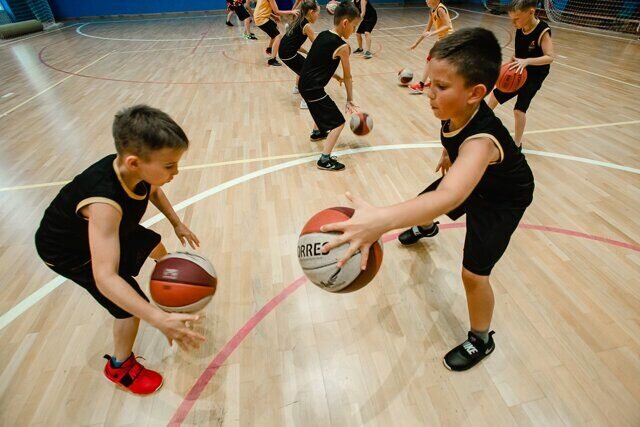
(229, 16)
(425, 73)
(521, 121)
(359, 37)
(480, 300)
(124, 335)
(158, 252)
(331, 140)
(276, 44)
(247, 26)
(367, 37)
(492, 102)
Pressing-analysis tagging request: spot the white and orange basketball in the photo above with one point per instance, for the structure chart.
(509, 81)
(405, 76)
(183, 282)
(331, 6)
(322, 269)
(361, 123)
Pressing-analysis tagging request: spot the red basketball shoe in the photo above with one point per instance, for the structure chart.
(132, 376)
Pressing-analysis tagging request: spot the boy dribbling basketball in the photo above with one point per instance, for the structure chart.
(534, 51)
(90, 234)
(485, 176)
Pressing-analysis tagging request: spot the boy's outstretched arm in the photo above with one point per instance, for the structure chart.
(343, 54)
(160, 201)
(104, 243)
(369, 223)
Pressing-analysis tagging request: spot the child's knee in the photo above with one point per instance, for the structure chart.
(158, 252)
(472, 281)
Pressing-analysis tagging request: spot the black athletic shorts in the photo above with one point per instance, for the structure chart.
(324, 111)
(133, 253)
(271, 28)
(241, 12)
(489, 230)
(525, 94)
(295, 63)
(367, 24)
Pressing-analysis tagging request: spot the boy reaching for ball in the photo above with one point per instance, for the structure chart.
(485, 176)
(534, 51)
(90, 234)
(328, 50)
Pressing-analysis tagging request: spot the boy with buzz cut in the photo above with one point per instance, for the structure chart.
(328, 50)
(484, 175)
(534, 51)
(90, 234)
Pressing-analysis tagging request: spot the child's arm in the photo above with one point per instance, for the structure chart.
(343, 54)
(424, 34)
(104, 243)
(160, 201)
(369, 223)
(276, 11)
(363, 8)
(296, 4)
(309, 32)
(520, 64)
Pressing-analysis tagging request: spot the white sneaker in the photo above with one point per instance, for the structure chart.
(295, 90)
(303, 105)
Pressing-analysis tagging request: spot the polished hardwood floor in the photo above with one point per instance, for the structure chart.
(567, 315)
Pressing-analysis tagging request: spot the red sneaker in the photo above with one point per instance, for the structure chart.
(417, 88)
(132, 376)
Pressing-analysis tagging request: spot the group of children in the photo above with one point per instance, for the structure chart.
(91, 234)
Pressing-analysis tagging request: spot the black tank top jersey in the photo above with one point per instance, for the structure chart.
(507, 183)
(64, 234)
(369, 11)
(292, 41)
(528, 46)
(320, 64)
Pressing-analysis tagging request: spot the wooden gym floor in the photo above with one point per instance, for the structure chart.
(280, 351)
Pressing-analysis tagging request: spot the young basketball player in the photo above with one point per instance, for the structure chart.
(534, 51)
(328, 50)
(369, 18)
(91, 235)
(238, 6)
(296, 35)
(440, 19)
(262, 17)
(485, 176)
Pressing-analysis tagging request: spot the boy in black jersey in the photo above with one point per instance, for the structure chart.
(369, 18)
(485, 176)
(90, 234)
(534, 51)
(328, 50)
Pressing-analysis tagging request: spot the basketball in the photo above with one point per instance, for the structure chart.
(510, 81)
(321, 269)
(361, 123)
(183, 282)
(405, 76)
(331, 6)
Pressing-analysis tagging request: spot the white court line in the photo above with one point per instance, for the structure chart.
(589, 72)
(14, 312)
(38, 35)
(6, 113)
(553, 26)
(78, 30)
(288, 156)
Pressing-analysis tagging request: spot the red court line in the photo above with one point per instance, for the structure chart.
(206, 376)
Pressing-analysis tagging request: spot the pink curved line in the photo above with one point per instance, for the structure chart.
(206, 376)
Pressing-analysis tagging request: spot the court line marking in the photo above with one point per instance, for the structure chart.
(39, 34)
(555, 26)
(234, 342)
(14, 312)
(295, 155)
(11, 110)
(589, 72)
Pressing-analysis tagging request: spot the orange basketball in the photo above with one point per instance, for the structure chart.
(361, 123)
(183, 282)
(510, 81)
(321, 269)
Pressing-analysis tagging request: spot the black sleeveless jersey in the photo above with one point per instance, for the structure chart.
(65, 233)
(529, 46)
(292, 41)
(508, 183)
(320, 64)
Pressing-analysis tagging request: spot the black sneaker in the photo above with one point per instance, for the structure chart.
(229, 24)
(412, 235)
(357, 51)
(318, 135)
(274, 62)
(330, 165)
(252, 37)
(469, 353)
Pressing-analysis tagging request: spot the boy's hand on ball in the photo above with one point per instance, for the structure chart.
(185, 235)
(519, 64)
(360, 232)
(177, 327)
